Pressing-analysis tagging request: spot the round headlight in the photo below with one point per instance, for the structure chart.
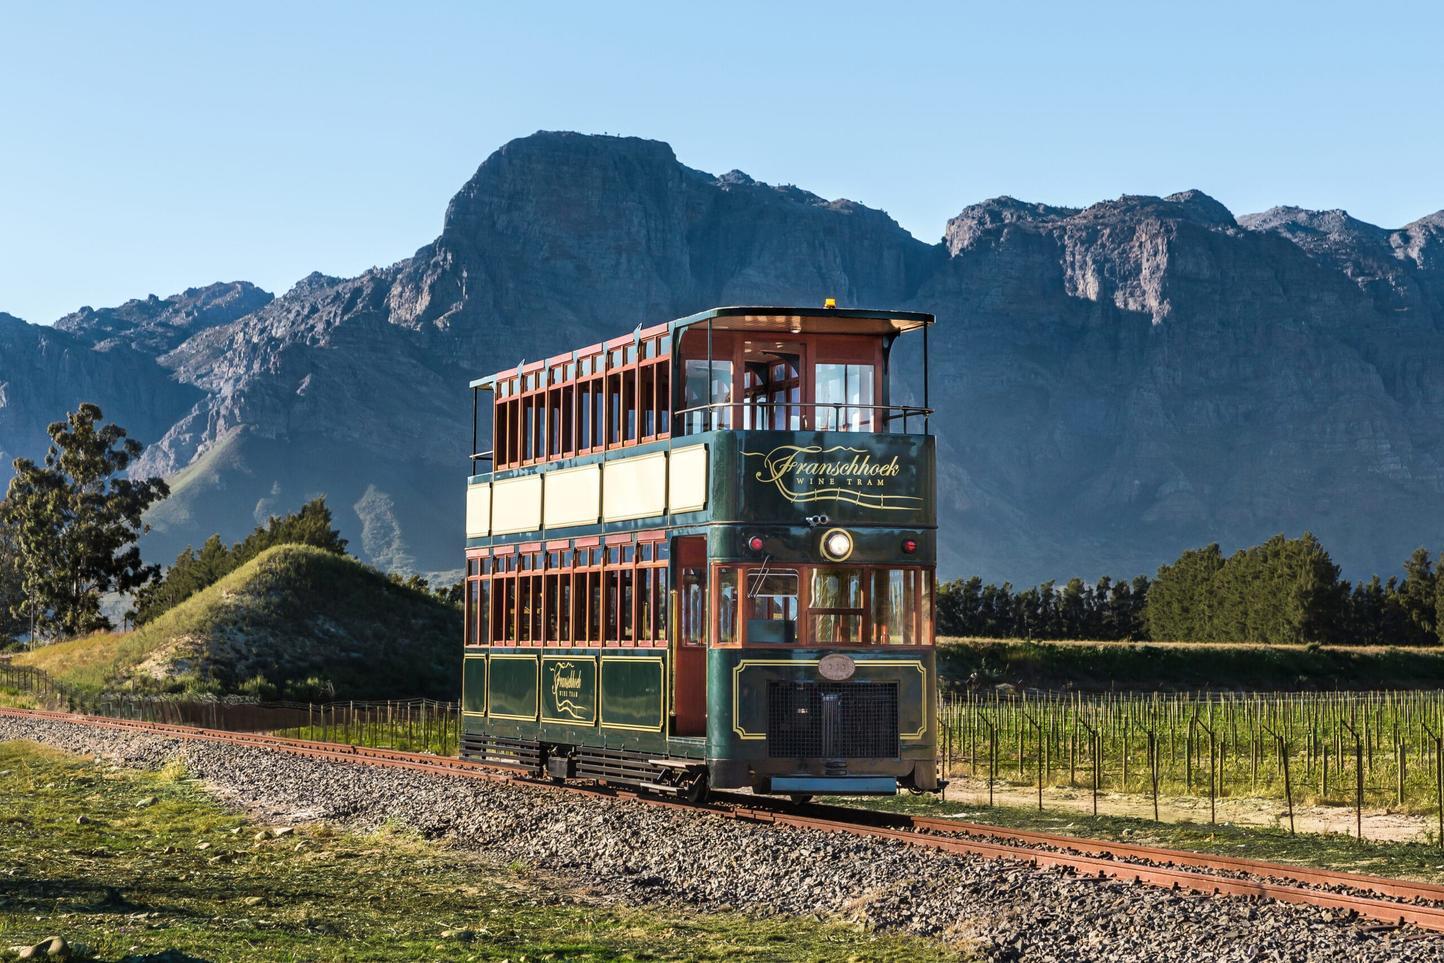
(837, 544)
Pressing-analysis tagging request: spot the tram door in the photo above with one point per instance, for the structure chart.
(689, 665)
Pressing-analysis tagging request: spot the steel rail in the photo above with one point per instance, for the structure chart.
(1167, 868)
(1399, 888)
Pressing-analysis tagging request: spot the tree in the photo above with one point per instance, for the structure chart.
(1416, 597)
(1179, 598)
(11, 592)
(75, 522)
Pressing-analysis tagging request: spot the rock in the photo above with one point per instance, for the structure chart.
(253, 901)
(278, 831)
(146, 801)
(465, 936)
(50, 948)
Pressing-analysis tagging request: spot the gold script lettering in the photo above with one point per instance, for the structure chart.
(790, 467)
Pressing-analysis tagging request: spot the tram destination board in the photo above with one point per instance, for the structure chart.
(789, 476)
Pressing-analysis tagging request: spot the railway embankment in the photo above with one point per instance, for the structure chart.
(1001, 909)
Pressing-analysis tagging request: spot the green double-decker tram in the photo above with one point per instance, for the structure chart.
(703, 555)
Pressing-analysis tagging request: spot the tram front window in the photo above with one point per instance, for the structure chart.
(836, 606)
(707, 395)
(844, 397)
(772, 606)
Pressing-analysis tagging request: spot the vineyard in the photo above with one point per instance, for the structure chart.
(1360, 749)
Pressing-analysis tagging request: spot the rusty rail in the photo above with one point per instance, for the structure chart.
(1419, 904)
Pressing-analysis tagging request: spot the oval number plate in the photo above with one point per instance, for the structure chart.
(836, 667)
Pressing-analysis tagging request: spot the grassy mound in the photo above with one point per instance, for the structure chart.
(1182, 666)
(295, 621)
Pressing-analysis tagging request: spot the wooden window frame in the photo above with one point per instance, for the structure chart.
(922, 627)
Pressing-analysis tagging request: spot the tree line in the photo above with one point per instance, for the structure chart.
(1281, 591)
(1105, 609)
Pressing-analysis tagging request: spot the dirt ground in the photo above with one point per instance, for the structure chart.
(1383, 825)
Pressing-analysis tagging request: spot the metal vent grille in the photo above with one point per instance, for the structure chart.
(832, 720)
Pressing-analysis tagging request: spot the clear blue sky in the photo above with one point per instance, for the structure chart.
(149, 147)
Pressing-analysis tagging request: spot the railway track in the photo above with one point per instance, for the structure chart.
(1389, 901)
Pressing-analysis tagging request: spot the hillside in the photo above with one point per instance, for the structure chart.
(304, 620)
(1115, 383)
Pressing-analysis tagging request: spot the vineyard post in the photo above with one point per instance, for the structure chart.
(1283, 745)
(1039, 730)
(992, 751)
(1188, 751)
(1095, 749)
(1153, 768)
(1358, 777)
(1438, 779)
(1288, 786)
(1212, 742)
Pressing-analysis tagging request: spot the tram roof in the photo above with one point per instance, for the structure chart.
(787, 320)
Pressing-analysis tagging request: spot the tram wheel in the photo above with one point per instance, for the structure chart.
(801, 798)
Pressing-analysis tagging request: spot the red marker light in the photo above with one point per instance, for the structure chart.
(755, 543)
(909, 545)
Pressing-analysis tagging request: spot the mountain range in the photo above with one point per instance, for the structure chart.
(1113, 383)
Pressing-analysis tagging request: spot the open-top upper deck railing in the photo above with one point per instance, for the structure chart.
(780, 369)
(780, 416)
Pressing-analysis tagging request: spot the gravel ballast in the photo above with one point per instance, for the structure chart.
(646, 854)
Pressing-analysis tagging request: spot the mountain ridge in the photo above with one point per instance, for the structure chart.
(1114, 382)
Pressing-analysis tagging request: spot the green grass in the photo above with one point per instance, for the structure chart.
(293, 621)
(158, 865)
(1417, 861)
(1186, 665)
(14, 698)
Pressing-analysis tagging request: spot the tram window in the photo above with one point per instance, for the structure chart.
(645, 628)
(507, 632)
(772, 606)
(562, 608)
(614, 408)
(647, 398)
(837, 606)
(624, 605)
(584, 415)
(844, 397)
(661, 628)
(664, 399)
(726, 606)
(629, 405)
(692, 602)
(594, 610)
(893, 611)
(482, 609)
(614, 585)
(697, 393)
(501, 438)
(599, 414)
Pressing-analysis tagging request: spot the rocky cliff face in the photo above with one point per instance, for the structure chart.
(45, 372)
(1114, 383)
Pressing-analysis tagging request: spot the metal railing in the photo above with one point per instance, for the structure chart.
(420, 725)
(799, 416)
